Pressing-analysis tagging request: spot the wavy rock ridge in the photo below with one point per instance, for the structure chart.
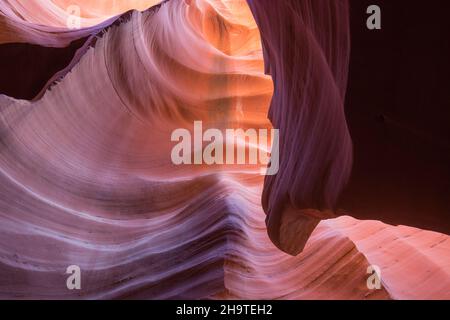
(87, 179)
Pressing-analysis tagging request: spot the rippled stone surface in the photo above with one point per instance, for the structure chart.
(87, 179)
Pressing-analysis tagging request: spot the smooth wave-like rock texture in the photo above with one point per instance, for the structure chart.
(87, 179)
(307, 47)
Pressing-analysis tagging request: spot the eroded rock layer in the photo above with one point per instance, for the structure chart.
(87, 178)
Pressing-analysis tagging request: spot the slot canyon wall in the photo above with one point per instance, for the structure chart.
(86, 117)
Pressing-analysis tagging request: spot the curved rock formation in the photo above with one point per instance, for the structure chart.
(87, 178)
(306, 45)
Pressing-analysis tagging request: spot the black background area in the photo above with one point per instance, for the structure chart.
(398, 112)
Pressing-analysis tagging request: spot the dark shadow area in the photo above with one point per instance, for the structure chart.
(398, 112)
(26, 68)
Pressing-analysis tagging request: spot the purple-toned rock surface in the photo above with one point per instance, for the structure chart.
(86, 177)
(306, 48)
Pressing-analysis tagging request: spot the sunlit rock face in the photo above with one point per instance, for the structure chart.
(56, 13)
(87, 177)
